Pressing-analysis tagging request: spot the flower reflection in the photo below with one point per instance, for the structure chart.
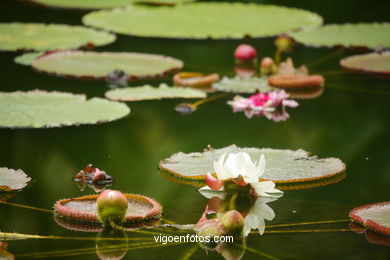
(4, 254)
(257, 214)
(271, 105)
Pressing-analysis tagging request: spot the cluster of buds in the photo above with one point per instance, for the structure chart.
(93, 175)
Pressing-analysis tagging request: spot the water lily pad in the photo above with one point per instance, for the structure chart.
(375, 216)
(27, 58)
(37, 109)
(370, 35)
(242, 85)
(11, 180)
(203, 20)
(100, 4)
(376, 63)
(35, 36)
(97, 65)
(287, 168)
(140, 208)
(148, 92)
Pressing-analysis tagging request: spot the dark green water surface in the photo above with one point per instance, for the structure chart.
(350, 121)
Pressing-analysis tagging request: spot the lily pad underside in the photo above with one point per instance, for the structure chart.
(375, 63)
(287, 168)
(97, 65)
(11, 180)
(369, 35)
(40, 37)
(38, 109)
(242, 85)
(203, 20)
(140, 208)
(375, 216)
(148, 92)
(100, 4)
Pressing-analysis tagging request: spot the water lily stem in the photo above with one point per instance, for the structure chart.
(25, 206)
(212, 98)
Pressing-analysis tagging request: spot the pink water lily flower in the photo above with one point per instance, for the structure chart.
(271, 105)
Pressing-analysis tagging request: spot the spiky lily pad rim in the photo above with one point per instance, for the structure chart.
(370, 223)
(296, 81)
(299, 184)
(344, 63)
(153, 213)
(90, 77)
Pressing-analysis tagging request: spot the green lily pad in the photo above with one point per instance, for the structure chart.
(97, 65)
(375, 216)
(242, 85)
(39, 37)
(376, 63)
(100, 4)
(287, 168)
(11, 180)
(27, 58)
(370, 35)
(148, 92)
(203, 20)
(37, 109)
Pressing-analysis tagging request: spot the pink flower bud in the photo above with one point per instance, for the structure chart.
(245, 52)
(112, 206)
(232, 222)
(212, 182)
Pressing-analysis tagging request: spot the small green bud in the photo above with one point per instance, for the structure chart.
(112, 206)
(232, 222)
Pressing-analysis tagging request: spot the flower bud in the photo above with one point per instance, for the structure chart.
(283, 43)
(267, 66)
(232, 222)
(112, 206)
(212, 182)
(245, 52)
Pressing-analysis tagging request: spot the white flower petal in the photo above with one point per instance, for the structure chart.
(261, 226)
(266, 188)
(209, 193)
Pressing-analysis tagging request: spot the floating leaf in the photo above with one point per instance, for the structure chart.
(203, 20)
(97, 65)
(370, 35)
(243, 85)
(11, 180)
(36, 109)
(288, 169)
(375, 216)
(99, 4)
(140, 208)
(27, 58)
(35, 36)
(377, 63)
(148, 92)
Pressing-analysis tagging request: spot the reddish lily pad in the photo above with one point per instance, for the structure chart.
(140, 209)
(11, 180)
(289, 169)
(97, 65)
(375, 216)
(375, 63)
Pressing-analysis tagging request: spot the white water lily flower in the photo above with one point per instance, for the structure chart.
(240, 165)
(257, 214)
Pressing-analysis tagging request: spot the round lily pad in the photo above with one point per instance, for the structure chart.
(27, 58)
(242, 85)
(287, 168)
(11, 180)
(376, 63)
(140, 209)
(370, 35)
(148, 92)
(100, 4)
(97, 65)
(37, 109)
(35, 36)
(203, 20)
(375, 216)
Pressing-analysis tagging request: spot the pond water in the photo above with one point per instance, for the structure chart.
(350, 120)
